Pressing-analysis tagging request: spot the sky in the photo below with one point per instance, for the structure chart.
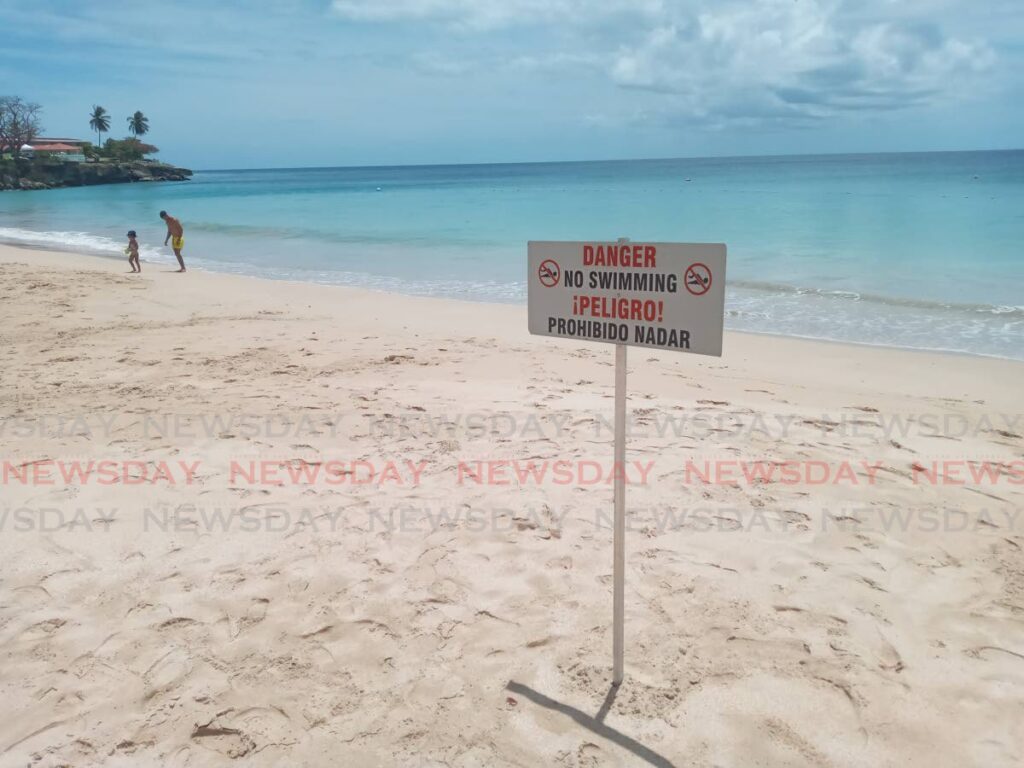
(289, 83)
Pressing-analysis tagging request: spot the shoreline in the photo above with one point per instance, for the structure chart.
(49, 251)
(756, 354)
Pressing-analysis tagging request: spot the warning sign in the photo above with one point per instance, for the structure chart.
(663, 295)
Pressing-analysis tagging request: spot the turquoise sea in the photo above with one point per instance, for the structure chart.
(909, 250)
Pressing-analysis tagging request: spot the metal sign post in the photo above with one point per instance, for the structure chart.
(619, 501)
(619, 557)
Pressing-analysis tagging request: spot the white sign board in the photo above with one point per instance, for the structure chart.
(662, 295)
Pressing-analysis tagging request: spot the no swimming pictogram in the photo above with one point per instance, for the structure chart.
(549, 273)
(697, 279)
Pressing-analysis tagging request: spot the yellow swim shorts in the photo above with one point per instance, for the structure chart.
(177, 243)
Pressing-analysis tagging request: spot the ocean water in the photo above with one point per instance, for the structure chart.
(910, 250)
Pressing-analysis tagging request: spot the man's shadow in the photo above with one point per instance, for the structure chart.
(594, 724)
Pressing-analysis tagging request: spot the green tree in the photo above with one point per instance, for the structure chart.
(127, 150)
(99, 121)
(138, 124)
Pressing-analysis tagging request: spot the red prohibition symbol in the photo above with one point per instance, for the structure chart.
(549, 273)
(697, 279)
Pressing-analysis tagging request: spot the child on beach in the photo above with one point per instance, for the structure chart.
(133, 252)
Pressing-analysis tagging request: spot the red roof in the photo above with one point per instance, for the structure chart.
(57, 140)
(56, 148)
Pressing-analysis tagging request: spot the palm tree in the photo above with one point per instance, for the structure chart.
(138, 124)
(100, 122)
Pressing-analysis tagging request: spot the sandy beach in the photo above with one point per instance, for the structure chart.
(265, 523)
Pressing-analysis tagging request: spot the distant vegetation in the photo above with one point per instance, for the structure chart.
(125, 150)
(120, 150)
(99, 121)
(108, 161)
(19, 124)
(138, 124)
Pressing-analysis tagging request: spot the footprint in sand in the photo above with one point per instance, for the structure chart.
(167, 672)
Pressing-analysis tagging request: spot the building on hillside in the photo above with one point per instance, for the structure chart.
(63, 149)
(59, 140)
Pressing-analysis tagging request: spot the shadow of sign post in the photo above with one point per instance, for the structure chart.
(594, 724)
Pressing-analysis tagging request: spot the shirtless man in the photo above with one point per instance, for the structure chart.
(175, 231)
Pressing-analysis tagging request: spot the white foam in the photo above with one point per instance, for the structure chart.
(79, 242)
(761, 308)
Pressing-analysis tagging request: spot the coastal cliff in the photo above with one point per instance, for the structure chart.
(50, 175)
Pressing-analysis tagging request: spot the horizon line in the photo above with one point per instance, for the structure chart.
(785, 155)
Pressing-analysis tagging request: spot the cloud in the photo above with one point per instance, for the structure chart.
(799, 60)
(739, 60)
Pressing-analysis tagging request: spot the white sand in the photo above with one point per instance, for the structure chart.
(809, 633)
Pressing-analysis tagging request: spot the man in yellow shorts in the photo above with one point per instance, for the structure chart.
(176, 234)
